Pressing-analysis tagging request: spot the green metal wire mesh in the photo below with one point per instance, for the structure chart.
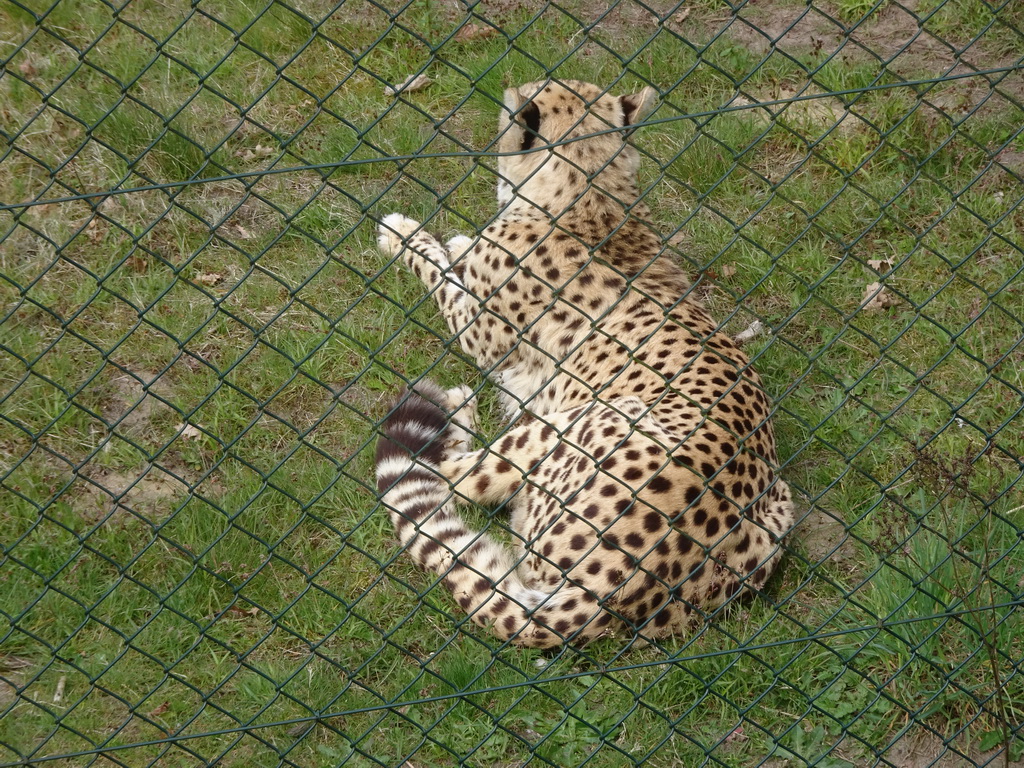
(199, 340)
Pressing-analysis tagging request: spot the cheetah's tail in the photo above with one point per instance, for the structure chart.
(479, 571)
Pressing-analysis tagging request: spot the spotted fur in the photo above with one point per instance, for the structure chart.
(639, 470)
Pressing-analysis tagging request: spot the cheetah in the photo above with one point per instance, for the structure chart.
(639, 468)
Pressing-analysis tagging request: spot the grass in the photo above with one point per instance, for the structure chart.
(193, 555)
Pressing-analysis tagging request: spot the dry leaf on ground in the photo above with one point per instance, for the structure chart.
(876, 297)
(190, 432)
(474, 32)
(737, 735)
(880, 265)
(752, 330)
(209, 278)
(94, 231)
(411, 83)
(258, 152)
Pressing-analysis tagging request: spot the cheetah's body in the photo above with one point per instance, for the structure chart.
(642, 489)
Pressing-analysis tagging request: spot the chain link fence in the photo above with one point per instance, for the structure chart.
(200, 339)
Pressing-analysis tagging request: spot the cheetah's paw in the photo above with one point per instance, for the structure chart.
(393, 232)
(462, 406)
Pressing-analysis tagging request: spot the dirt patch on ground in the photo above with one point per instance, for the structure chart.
(12, 671)
(794, 30)
(917, 749)
(902, 38)
(1011, 160)
(135, 400)
(149, 491)
(925, 750)
(894, 37)
(821, 538)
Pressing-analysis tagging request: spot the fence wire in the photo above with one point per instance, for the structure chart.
(200, 341)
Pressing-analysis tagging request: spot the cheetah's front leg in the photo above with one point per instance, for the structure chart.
(420, 251)
(426, 258)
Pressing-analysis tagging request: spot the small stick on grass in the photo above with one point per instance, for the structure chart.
(58, 695)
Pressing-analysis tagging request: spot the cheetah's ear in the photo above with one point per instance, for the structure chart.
(525, 116)
(636, 106)
(514, 100)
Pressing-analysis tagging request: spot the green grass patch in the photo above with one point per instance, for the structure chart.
(191, 377)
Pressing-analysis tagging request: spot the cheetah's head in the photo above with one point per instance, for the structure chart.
(561, 127)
